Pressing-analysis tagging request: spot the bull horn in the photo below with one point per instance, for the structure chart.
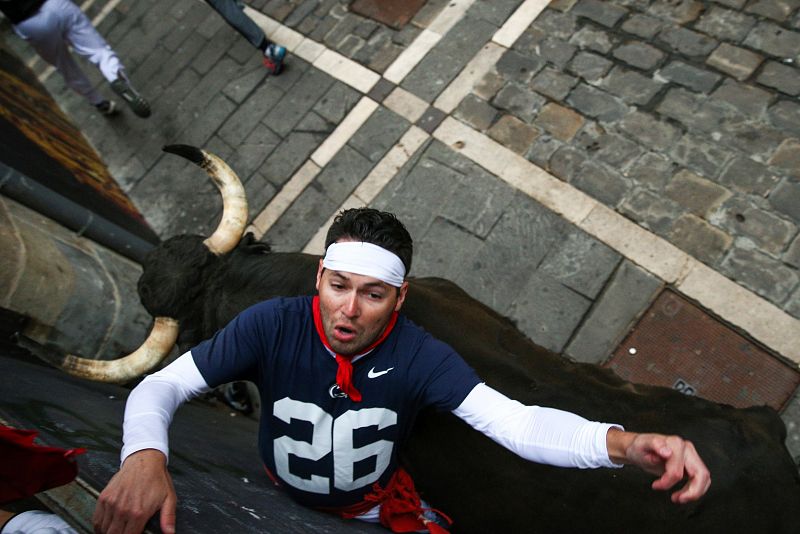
(155, 348)
(234, 202)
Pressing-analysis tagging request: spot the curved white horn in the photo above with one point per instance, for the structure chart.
(234, 201)
(155, 348)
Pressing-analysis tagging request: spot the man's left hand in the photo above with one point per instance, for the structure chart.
(671, 458)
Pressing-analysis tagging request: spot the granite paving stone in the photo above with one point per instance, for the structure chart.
(516, 67)
(495, 12)
(199, 131)
(677, 11)
(753, 138)
(778, 10)
(556, 24)
(519, 101)
(553, 83)
(295, 149)
(695, 193)
(252, 151)
(562, 123)
(596, 40)
(787, 157)
(287, 112)
(630, 86)
(781, 77)
(566, 162)
(774, 40)
(649, 131)
(734, 61)
(589, 66)
(652, 170)
(476, 112)
(522, 237)
(335, 104)
(580, 262)
(740, 217)
(638, 54)
(700, 154)
(488, 86)
(700, 239)
(760, 273)
(448, 57)
(422, 184)
(603, 183)
(653, 211)
(213, 49)
(749, 176)
(443, 249)
(513, 133)
(556, 52)
(250, 113)
(748, 100)
(700, 80)
(725, 24)
(478, 202)
(792, 256)
(604, 13)
(543, 149)
(786, 199)
(343, 174)
(596, 103)
(548, 311)
(297, 226)
(378, 134)
(625, 298)
(642, 26)
(687, 42)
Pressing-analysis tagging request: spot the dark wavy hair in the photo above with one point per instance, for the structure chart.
(373, 226)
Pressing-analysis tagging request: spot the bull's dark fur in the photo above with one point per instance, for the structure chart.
(484, 488)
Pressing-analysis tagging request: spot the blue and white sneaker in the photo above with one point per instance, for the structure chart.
(273, 58)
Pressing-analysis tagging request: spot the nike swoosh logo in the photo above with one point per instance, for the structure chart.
(373, 374)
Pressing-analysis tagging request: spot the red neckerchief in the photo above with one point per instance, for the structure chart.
(344, 375)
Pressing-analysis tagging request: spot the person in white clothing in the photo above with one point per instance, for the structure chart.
(52, 27)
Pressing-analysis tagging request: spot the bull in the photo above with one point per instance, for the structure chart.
(194, 285)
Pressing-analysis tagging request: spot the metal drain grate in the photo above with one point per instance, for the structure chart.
(678, 345)
(393, 13)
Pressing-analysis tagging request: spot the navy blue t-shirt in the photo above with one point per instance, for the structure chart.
(327, 450)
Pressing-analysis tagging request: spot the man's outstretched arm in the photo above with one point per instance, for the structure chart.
(143, 485)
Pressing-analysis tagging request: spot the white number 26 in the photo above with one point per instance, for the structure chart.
(331, 435)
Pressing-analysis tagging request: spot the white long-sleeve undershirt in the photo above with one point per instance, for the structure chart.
(542, 435)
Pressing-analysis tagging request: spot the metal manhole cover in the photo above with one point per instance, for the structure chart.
(393, 13)
(678, 345)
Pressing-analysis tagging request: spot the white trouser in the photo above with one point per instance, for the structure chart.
(60, 23)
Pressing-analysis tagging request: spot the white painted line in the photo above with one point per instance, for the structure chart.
(449, 16)
(412, 55)
(518, 22)
(405, 104)
(270, 26)
(309, 50)
(347, 70)
(733, 303)
(349, 125)
(390, 164)
(281, 202)
(646, 249)
(473, 72)
(765, 322)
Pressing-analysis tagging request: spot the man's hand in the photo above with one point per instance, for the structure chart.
(671, 458)
(140, 488)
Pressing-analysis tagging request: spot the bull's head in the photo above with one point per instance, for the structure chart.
(161, 304)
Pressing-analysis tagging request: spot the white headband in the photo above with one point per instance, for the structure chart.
(367, 259)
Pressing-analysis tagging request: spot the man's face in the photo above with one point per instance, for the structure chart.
(355, 308)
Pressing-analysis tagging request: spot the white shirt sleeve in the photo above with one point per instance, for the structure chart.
(542, 435)
(151, 405)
